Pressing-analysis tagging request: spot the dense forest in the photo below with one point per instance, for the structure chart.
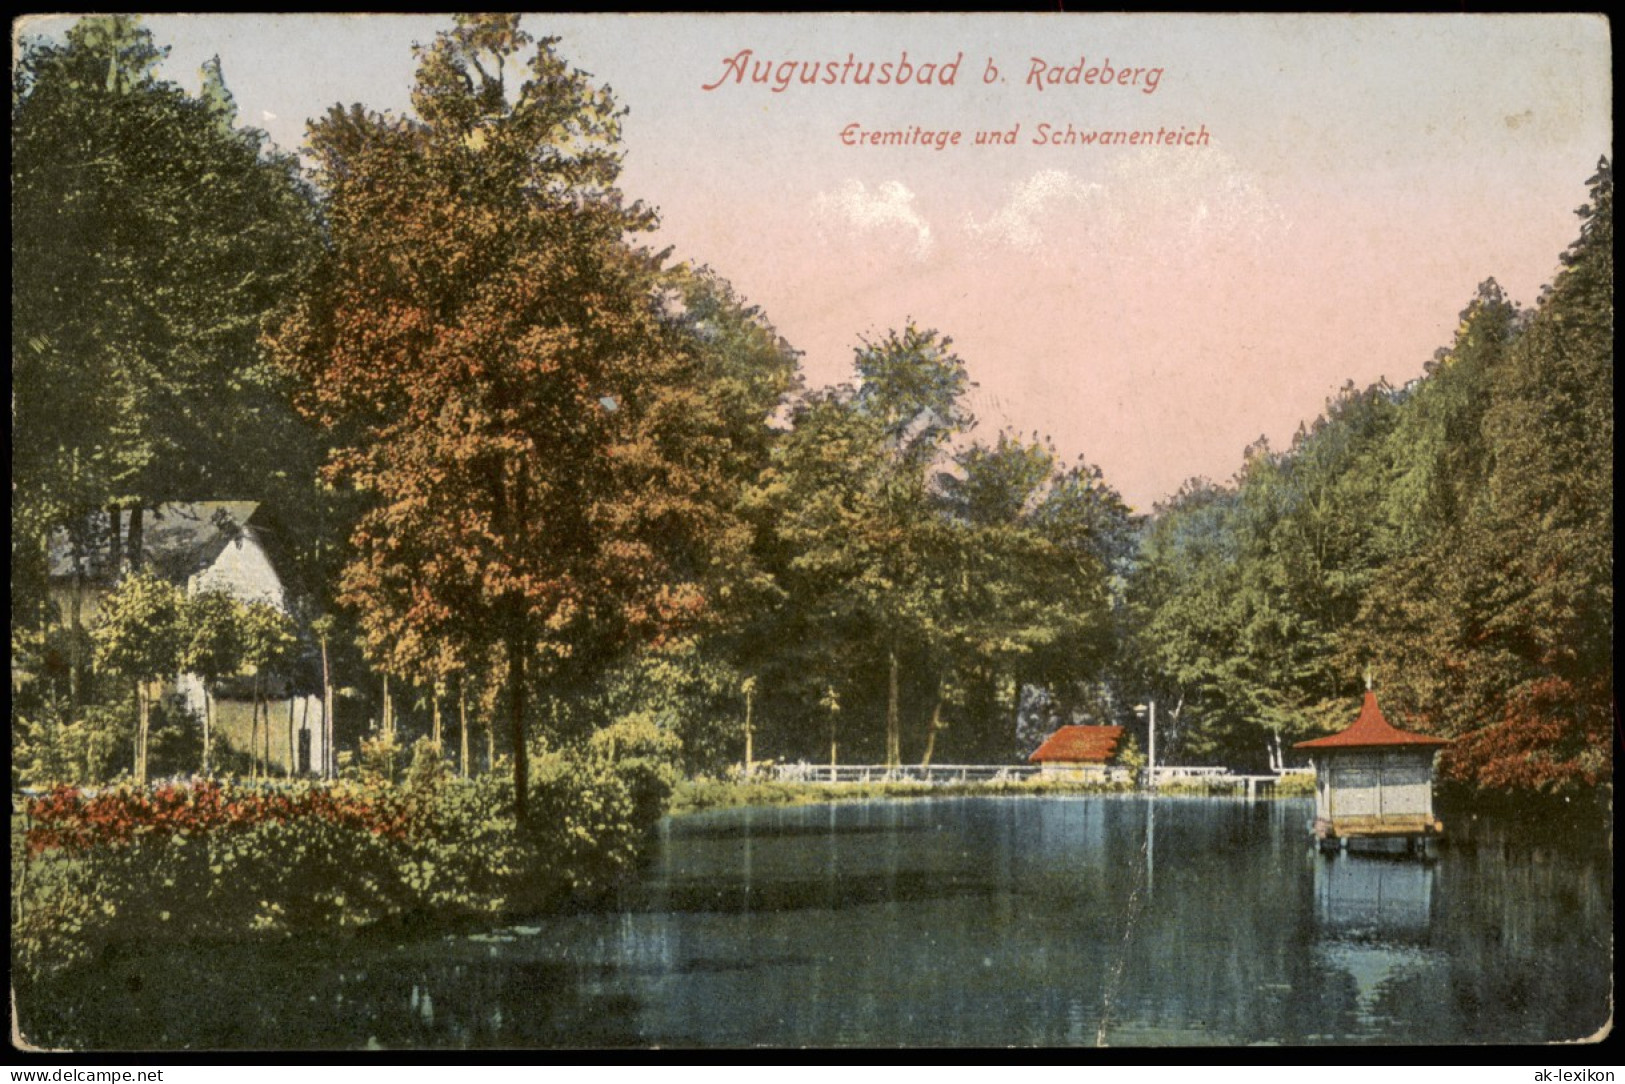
(1452, 539)
(532, 469)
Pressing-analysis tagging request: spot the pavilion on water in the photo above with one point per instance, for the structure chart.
(1374, 780)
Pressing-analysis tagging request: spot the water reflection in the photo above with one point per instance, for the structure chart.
(1150, 847)
(1374, 899)
(1374, 919)
(1119, 920)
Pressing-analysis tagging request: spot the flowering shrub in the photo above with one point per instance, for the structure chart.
(96, 873)
(205, 860)
(67, 819)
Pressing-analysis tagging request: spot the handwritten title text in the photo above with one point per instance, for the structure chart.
(745, 68)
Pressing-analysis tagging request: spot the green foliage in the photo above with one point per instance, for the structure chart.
(570, 481)
(521, 394)
(175, 744)
(688, 687)
(594, 804)
(50, 747)
(1455, 537)
(849, 495)
(208, 862)
(1294, 786)
(1026, 594)
(645, 757)
(1129, 754)
(698, 795)
(214, 626)
(1497, 627)
(155, 237)
(914, 385)
(924, 583)
(588, 811)
(269, 637)
(997, 486)
(428, 772)
(137, 635)
(746, 367)
(380, 757)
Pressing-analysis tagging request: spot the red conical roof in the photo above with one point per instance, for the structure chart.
(1370, 731)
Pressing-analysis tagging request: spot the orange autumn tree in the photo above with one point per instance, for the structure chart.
(504, 376)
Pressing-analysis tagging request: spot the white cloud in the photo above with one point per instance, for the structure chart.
(1206, 193)
(889, 207)
(1158, 200)
(1021, 222)
(266, 114)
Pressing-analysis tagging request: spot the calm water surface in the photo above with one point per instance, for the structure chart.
(971, 921)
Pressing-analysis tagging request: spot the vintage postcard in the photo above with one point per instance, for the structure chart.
(647, 531)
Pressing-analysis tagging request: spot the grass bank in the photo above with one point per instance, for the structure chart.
(1288, 786)
(697, 795)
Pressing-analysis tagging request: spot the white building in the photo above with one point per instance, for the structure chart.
(203, 546)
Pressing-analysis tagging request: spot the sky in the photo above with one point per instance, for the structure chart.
(1335, 189)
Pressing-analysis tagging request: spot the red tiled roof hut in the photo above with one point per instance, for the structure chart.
(1373, 779)
(1078, 751)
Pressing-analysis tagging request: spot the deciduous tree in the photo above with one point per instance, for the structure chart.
(270, 644)
(212, 635)
(503, 372)
(138, 638)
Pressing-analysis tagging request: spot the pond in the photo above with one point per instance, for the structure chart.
(1117, 920)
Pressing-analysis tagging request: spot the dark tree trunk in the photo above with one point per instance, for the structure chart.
(208, 720)
(894, 739)
(329, 757)
(141, 733)
(115, 543)
(462, 726)
(748, 749)
(133, 557)
(832, 746)
(305, 764)
(254, 732)
(389, 732)
(516, 717)
(76, 628)
(931, 734)
(265, 728)
(388, 710)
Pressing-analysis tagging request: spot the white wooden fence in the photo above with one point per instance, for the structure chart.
(1167, 773)
(803, 772)
(903, 773)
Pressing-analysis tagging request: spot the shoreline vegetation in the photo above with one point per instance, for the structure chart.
(101, 880)
(212, 860)
(699, 795)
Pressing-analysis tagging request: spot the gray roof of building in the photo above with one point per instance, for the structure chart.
(177, 539)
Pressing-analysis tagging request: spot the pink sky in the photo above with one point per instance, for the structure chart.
(1152, 308)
